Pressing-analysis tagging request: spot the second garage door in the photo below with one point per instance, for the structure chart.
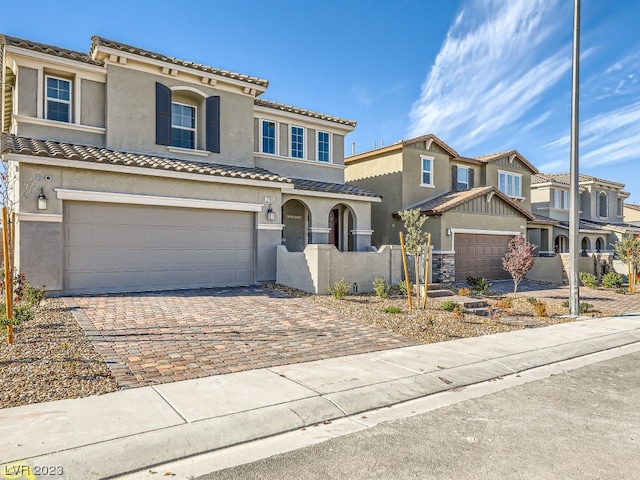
(480, 256)
(120, 248)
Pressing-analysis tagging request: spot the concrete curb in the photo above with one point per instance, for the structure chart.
(173, 421)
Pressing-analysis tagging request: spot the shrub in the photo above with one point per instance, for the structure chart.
(449, 305)
(584, 306)
(519, 259)
(621, 291)
(402, 287)
(392, 309)
(611, 280)
(540, 309)
(589, 280)
(505, 303)
(532, 300)
(478, 284)
(22, 312)
(381, 287)
(458, 313)
(32, 295)
(464, 292)
(340, 289)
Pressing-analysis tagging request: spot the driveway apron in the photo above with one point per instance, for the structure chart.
(160, 337)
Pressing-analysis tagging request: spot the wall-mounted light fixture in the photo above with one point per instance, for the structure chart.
(271, 215)
(448, 232)
(42, 200)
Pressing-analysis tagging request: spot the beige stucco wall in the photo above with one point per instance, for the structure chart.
(320, 266)
(93, 104)
(26, 88)
(131, 115)
(294, 168)
(631, 215)
(412, 191)
(546, 269)
(491, 174)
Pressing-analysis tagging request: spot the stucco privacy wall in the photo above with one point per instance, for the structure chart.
(39, 244)
(320, 266)
(553, 269)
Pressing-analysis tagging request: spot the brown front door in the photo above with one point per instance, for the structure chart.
(334, 224)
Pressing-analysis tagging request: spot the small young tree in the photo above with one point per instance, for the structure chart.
(415, 239)
(628, 250)
(519, 259)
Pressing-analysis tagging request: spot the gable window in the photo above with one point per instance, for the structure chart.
(183, 125)
(58, 103)
(620, 207)
(323, 147)
(176, 122)
(426, 177)
(510, 183)
(297, 142)
(461, 178)
(268, 137)
(603, 204)
(561, 199)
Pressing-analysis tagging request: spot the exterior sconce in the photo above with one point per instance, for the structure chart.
(448, 232)
(271, 215)
(42, 200)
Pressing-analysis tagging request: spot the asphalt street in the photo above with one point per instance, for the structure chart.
(582, 424)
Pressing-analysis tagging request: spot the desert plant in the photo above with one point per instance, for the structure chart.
(628, 250)
(402, 287)
(478, 284)
(32, 295)
(464, 292)
(589, 280)
(415, 239)
(584, 306)
(532, 300)
(611, 280)
(449, 305)
(22, 312)
(621, 291)
(392, 309)
(505, 303)
(340, 289)
(381, 287)
(540, 308)
(458, 313)
(519, 259)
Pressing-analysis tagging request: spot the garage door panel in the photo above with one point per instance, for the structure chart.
(480, 255)
(110, 248)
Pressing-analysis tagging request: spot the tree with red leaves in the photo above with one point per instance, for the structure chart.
(519, 259)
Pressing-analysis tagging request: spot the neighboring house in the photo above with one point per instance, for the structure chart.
(161, 173)
(474, 205)
(631, 213)
(601, 212)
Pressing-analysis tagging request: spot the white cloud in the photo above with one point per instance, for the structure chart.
(489, 71)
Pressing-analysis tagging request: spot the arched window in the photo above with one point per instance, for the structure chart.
(603, 204)
(599, 244)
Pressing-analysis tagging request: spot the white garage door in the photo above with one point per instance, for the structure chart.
(127, 248)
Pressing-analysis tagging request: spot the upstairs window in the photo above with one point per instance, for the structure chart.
(426, 177)
(183, 125)
(297, 142)
(620, 207)
(268, 137)
(561, 199)
(323, 147)
(176, 123)
(603, 204)
(510, 183)
(58, 103)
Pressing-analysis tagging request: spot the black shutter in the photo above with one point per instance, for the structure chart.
(213, 124)
(470, 178)
(163, 114)
(454, 178)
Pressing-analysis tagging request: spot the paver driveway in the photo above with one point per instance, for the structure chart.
(159, 337)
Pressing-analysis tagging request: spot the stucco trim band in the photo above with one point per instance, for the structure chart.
(320, 229)
(109, 197)
(271, 226)
(341, 196)
(478, 232)
(52, 123)
(39, 217)
(362, 232)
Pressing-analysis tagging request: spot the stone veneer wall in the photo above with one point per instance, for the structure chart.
(444, 268)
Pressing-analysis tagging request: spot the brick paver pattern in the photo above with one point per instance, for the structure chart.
(161, 337)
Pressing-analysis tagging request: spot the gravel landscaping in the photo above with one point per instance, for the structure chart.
(52, 359)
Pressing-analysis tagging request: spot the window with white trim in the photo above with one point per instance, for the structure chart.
(603, 204)
(463, 178)
(510, 184)
(58, 99)
(426, 177)
(561, 199)
(297, 142)
(620, 207)
(183, 125)
(324, 147)
(268, 134)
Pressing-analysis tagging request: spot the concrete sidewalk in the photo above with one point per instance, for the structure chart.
(110, 435)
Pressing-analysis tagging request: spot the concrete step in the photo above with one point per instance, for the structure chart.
(483, 311)
(438, 293)
(472, 303)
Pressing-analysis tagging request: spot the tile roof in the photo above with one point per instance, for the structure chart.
(48, 49)
(404, 143)
(260, 102)
(565, 179)
(632, 206)
(46, 148)
(344, 188)
(496, 156)
(449, 200)
(97, 41)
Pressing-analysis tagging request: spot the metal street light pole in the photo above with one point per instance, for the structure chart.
(574, 219)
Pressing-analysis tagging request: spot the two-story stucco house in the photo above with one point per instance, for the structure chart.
(474, 205)
(601, 212)
(137, 171)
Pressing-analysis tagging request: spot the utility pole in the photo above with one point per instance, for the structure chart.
(574, 192)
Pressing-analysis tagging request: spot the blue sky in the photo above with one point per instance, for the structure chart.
(483, 75)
